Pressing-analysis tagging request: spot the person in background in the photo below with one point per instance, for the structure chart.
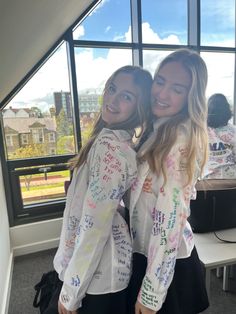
(222, 140)
(94, 256)
(167, 276)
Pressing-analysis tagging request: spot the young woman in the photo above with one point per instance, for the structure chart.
(167, 275)
(94, 256)
(222, 140)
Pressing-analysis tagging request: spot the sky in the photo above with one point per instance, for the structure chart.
(162, 22)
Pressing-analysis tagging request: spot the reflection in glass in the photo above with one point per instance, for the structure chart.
(110, 21)
(220, 77)
(38, 121)
(93, 68)
(164, 22)
(218, 23)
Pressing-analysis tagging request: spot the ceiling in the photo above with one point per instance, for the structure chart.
(28, 29)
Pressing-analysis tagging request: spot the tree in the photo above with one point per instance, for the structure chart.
(66, 145)
(36, 112)
(63, 124)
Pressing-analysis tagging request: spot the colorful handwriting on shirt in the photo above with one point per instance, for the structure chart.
(122, 244)
(147, 294)
(165, 271)
(75, 281)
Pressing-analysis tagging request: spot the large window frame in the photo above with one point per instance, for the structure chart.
(18, 214)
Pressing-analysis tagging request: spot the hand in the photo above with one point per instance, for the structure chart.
(63, 310)
(141, 309)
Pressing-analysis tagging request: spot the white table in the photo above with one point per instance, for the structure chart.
(214, 253)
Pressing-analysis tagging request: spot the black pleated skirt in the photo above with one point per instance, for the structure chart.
(187, 293)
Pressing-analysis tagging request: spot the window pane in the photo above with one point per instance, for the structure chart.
(151, 59)
(93, 68)
(218, 23)
(164, 22)
(39, 121)
(39, 188)
(110, 21)
(220, 73)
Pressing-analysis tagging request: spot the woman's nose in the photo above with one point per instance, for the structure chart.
(115, 98)
(163, 92)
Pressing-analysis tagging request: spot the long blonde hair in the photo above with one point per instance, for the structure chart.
(195, 111)
(143, 80)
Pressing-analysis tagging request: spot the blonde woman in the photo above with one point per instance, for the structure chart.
(94, 256)
(167, 276)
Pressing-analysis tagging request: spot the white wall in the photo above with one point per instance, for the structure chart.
(28, 29)
(6, 256)
(35, 237)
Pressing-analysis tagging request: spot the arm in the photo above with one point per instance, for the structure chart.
(169, 219)
(112, 169)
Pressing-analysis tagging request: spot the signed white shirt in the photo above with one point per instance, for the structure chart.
(159, 225)
(94, 254)
(222, 153)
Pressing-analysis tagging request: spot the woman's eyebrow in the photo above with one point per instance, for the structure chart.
(181, 85)
(175, 84)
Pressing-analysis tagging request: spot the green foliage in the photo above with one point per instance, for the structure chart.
(66, 145)
(64, 126)
(33, 150)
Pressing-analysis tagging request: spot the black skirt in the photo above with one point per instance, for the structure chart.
(187, 293)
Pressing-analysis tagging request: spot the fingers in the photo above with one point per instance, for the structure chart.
(63, 310)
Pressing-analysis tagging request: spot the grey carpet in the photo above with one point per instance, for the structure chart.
(28, 270)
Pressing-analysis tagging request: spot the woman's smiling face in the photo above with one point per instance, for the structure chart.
(120, 99)
(170, 90)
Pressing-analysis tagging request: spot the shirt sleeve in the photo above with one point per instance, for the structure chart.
(169, 219)
(112, 169)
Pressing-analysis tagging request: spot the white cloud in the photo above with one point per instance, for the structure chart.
(107, 29)
(79, 32)
(220, 73)
(92, 70)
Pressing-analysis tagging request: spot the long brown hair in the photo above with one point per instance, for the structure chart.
(143, 80)
(195, 111)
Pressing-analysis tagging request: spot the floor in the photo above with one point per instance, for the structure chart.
(28, 270)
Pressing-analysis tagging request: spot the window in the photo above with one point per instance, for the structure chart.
(220, 77)
(24, 139)
(104, 23)
(164, 22)
(218, 23)
(51, 138)
(51, 116)
(9, 140)
(37, 136)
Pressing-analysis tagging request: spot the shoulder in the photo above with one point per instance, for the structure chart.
(114, 142)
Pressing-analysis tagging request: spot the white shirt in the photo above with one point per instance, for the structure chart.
(159, 226)
(222, 155)
(94, 254)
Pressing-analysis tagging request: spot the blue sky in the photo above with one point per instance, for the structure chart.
(111, 19)
(164, 21)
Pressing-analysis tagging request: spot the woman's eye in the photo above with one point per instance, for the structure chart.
(111, 89)
(159, 81)
(178, 90)
(126, 97)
